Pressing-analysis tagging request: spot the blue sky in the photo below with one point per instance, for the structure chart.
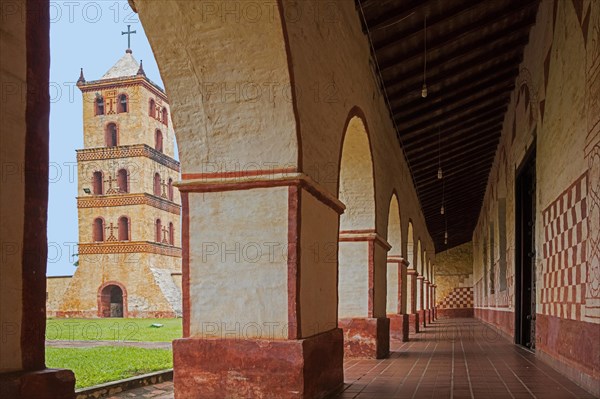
(86, 35)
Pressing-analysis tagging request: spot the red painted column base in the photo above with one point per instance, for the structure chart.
(423, 318)
(259, 368)
(413, 323)
(366, 337)
(429, 316)
(41, 384)
(399, 328)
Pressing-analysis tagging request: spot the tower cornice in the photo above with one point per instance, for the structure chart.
(125, 247)
(128, 81)
(127, 151)
(112, 200)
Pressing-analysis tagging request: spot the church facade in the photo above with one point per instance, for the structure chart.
(128, 208)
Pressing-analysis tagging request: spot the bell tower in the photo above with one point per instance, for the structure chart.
(128, 208)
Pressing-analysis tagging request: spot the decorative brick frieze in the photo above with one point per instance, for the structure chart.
(102, 201)
(128, 247)
(127, 151)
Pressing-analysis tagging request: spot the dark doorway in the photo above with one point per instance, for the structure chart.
(111, 301)
(525, 284)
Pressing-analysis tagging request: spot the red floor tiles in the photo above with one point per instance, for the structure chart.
(457, 358)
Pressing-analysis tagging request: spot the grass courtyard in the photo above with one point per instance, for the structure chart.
(113, 329)
(96, 365)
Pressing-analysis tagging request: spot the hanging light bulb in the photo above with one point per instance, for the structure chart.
(424, 90)
(440, 173)
(442, 210)
(446, 237)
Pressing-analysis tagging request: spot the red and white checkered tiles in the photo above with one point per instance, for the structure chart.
(564, 265)
(460, 297)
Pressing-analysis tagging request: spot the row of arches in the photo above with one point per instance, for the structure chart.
(122, 105)
(357, 287)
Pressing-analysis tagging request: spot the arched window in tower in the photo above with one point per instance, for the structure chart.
(156, 189)
(98, 230)
(170, 188)
(111, 135)
(97, 183)
(171, 234)
(152, 108)
(123, 181)
(122, 103)
(158, 227)
(165, 116)
(99, 105)
(123, 228)
(158, 141)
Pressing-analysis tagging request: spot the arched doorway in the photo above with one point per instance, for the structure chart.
(112, 300)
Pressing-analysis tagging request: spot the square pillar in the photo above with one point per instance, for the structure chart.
(421, 300)
(413, 314)
(397, 297)
(433, 301)
(259, 289)
(362, 294)
(427, 290)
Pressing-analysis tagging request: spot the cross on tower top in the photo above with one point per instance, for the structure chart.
(128, 33)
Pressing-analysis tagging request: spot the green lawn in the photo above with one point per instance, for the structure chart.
(113, 329)
(94, 366)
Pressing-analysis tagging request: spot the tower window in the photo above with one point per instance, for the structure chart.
(97, 183)
(165, 116)
(170, 189)
(111, 135)
(123, 228)
(122, 103)
(156, 184)
(171, 234)
(99, 105)
(152, 108)
(158, 141)
(158, 225)
(122, 181)
(98, 230)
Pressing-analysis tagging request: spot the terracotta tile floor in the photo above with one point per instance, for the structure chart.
(458, 358)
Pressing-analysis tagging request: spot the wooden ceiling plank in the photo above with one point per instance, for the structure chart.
(483, 50)
(432, 23)
(450, 131)
(511, 13)
(480, 89)
(462, 82)
(474, 104)
(482, 134)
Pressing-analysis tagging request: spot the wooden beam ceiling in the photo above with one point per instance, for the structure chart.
(474, 48)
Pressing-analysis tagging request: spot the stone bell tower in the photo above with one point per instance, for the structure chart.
(128, 209)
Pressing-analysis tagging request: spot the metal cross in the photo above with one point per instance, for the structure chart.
(128, 33)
